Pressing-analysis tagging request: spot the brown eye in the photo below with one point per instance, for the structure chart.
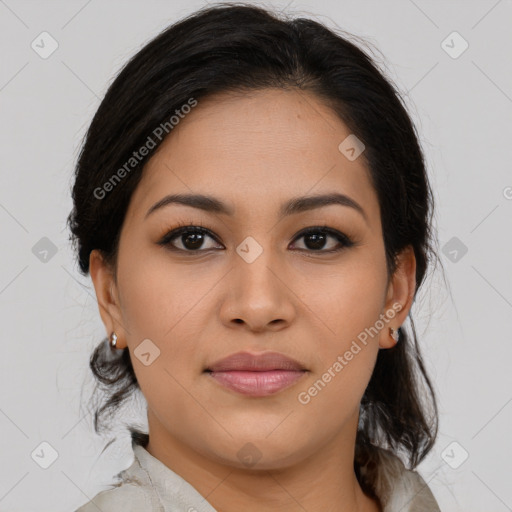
(191, 238)
(315, 239)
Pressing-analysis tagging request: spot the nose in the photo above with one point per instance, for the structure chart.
(258, 296)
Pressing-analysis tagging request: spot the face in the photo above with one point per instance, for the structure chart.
(253, 280)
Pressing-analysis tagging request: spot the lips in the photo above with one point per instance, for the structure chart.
(256, 375)
(245, 361)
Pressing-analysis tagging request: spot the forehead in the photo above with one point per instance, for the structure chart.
(254, 149)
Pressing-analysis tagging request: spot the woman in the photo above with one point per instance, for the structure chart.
(252, 204)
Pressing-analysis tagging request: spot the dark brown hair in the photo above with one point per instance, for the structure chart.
(238, 48)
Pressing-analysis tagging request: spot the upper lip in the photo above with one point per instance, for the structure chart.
(245, 361)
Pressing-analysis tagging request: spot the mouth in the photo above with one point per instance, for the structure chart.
(256, 375)
(257, 383)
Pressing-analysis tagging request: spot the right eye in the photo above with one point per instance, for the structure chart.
(190, 237)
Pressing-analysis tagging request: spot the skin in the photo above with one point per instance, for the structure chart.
(254, 152)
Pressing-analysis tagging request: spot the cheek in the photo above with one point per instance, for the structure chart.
(168, 306)
(347, 299)
(345, 306)
(160, 299)
(346, 354)
(335, 395)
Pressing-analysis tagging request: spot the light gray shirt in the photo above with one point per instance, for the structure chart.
(149, 485)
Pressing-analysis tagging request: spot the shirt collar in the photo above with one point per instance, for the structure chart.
(396, 487)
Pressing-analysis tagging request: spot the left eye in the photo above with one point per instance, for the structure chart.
(316, 239)
(192, 239)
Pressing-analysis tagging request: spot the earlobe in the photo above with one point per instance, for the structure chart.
(105, 286)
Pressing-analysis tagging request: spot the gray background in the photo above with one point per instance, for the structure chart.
(462, 107)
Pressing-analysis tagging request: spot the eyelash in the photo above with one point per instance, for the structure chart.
(198, 228)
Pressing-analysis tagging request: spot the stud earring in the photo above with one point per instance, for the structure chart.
(113, 340)
(394, 334)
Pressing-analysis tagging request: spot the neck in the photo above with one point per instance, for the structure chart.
(324, 481)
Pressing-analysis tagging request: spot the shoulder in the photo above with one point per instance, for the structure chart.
(402, 489)
(126, 497)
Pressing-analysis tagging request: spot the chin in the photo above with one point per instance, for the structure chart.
(258, 452)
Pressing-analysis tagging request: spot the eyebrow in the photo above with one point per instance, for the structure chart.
(293, 206)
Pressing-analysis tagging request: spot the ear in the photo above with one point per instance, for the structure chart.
(107, 296)
(401, 290)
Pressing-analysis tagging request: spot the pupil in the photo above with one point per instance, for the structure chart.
(318, 241)
(192, 240)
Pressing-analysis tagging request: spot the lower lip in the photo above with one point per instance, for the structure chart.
(257, 383)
